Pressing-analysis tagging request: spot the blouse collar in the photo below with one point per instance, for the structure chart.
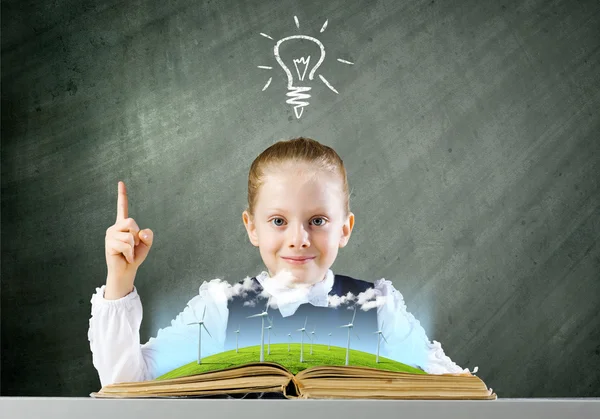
(289, 299)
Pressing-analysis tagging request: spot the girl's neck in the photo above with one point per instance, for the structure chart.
(285, 279)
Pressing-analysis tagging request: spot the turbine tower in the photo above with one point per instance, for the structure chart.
(262, 330)
(379, 336)
(290, 335)
(237, 332)
(312, 336)
(302, 333)
(200, 326)
(350, 326)
(329, 345)
(269, 327)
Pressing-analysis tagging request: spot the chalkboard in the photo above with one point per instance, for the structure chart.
(469, 130)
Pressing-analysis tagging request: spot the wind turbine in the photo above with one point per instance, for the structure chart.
(200, 326)
(290, 335)
(379, 336)
(329, 345)
(312, 336)
(350, 326)
(269, 334)
(262, 330)
(302, 333)
(236, 338)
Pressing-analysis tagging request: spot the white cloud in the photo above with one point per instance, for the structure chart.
(367, 300)
(284, 284)
(336, 300)
(240, 289)
(378, 302)
(369, 294)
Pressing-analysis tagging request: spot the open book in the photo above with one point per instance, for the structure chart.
(282, 373)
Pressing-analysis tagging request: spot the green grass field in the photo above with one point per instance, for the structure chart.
(291, 360)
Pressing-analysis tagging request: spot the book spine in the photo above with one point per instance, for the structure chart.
(292, 390)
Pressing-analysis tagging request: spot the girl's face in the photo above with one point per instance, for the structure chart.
(299, 213)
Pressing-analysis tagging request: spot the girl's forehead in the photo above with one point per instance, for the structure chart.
(296, 194)
(291, 167)
(300, 183)
(297, 173)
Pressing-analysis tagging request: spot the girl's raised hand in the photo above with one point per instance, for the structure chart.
(126, 247)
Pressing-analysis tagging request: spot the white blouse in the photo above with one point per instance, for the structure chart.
(114, 330)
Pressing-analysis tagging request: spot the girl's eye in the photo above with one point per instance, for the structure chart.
(323, 221)
(319, 221)
(276, 221)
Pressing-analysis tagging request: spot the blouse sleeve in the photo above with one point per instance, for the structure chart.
(115, 339)
(407, 341)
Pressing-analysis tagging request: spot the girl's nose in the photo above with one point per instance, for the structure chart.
(298, 236)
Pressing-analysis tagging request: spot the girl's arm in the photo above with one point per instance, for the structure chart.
(115, 339)
(407, 341)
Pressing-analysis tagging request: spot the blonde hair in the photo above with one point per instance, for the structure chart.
(298, 150)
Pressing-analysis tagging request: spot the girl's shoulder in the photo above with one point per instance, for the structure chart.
(342, 284)
(356, 286)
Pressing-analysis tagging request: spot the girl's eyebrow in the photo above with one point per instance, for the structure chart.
(314, 210)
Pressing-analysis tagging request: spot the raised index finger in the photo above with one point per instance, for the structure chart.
(122, 202)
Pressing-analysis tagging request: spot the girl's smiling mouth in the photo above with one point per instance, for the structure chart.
(298, 260)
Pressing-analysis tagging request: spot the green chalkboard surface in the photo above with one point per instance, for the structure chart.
(469, 130)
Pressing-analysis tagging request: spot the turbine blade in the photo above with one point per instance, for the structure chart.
(384, 338)
(203, 313)
(356, 335)
(305, 320)
(353, 315)
(206, 330)
(382, 323)
(255, 315)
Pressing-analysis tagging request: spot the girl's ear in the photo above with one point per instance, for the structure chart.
(347, 230)
(250, 228)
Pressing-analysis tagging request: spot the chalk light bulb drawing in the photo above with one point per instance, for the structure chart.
(297, 91)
